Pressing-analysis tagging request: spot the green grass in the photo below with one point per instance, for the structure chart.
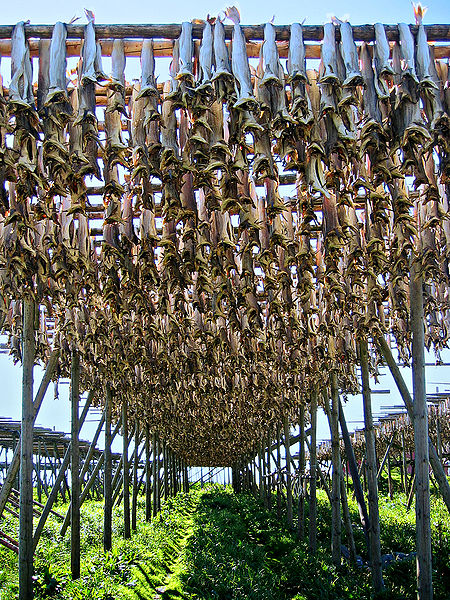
(213, 544)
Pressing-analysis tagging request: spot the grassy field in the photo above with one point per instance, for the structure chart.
(213, 544)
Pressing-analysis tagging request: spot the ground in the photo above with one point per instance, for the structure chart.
(214, 544)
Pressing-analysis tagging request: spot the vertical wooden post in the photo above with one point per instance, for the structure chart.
(347, 521)
(135, 477)
(107, 475)
(288, 471)
(301, 473)
(75, 466)
(38, 471)
(371, 469)
(313, 475)
(404, 467)
(262, 474)
(156, 474)
(186, 477)
(420, 421)
(165, 470)
(26, 455)
(278, 471)
(269, 474)
(336, 476)
(126, 471)
(148, 476)
(438, 437)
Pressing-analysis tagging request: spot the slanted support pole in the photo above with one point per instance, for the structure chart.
(126, 471)
(107, 475)
(313, 475)
(59, 479)
(13, 468)
(75, 466)
(371, 467)
(26, 455)
(436, 464)
(420, 422)
(359, 494)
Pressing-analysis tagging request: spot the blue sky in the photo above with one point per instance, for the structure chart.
(55, 413)
(285, 11)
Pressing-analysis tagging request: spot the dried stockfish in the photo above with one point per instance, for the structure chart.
(241, 70)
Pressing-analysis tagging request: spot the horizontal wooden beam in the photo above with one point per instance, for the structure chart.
(436, 32)
(164, 49)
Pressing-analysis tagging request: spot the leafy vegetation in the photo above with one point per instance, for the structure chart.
(212, 543)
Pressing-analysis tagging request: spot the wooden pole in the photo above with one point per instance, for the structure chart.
(75, 466)
(386, 454)
(288, 472)
(336, 477)
(436, 464)
(404, 466)
(13, 468)
(26, 455)
(371, 467)
(107, 474)
(155, 473)
(312, 543)
(278, 461)
(135, 477)
(269, 475)
(420, 421)
(126, 472)
(148, 476)
(301, 473)
(435, 32)
(347, 521)
(357, 487)
(84, 470)
(59, 479)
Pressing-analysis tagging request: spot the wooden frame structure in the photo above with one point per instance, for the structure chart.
(206, 315)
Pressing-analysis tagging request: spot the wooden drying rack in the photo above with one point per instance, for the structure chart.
(161, 34)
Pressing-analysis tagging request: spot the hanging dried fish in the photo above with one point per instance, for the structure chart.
(223, 78)
(407, 51)
(329, 74)
(381, 61)
(349, 55)
(241, 70)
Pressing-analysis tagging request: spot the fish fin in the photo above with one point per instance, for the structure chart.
(233, 14)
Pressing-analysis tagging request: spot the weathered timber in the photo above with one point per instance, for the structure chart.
(75, 466)
(336, 483)
(15, 461)
(312, 540)
(420, 422)
(436, 464)
(26, 454)
(435, 32)
(371, 466)
(59, 479)
(288, 472)
(107, 474)
(359, 494)
(148, 476)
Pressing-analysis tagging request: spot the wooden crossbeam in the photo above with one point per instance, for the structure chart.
(365, 33)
